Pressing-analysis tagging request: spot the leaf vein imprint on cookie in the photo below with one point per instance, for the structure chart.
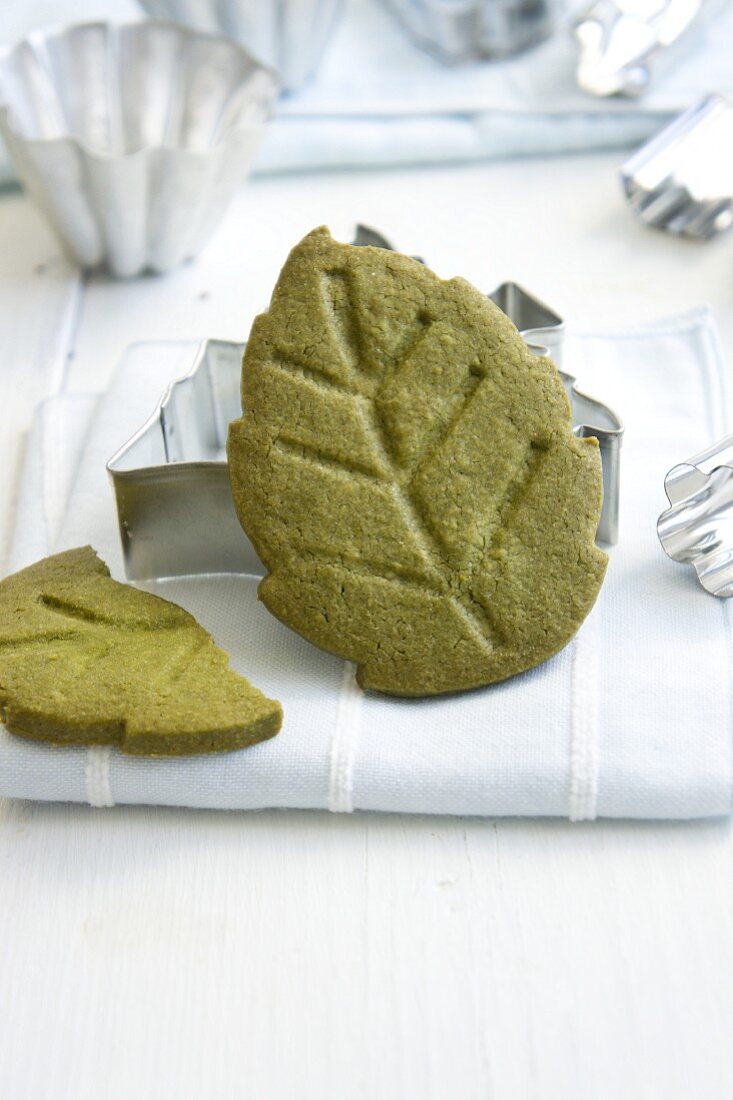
(354, 389)
(344, 321)
(304, 453)
(86, 660)
(408, 474)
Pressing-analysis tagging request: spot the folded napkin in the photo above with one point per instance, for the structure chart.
(377, 99)
(633, 719)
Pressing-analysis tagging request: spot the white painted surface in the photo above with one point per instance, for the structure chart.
(149, 953)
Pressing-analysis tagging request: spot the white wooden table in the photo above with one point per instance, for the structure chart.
(174, 954)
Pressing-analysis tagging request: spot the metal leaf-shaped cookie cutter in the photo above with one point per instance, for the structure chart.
(171, 480)
(698, 527)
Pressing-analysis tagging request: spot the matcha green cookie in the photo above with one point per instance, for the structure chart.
(407, 472)
(85, 660)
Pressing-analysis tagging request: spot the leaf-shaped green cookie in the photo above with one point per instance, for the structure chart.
(85, 660)
(407, 472)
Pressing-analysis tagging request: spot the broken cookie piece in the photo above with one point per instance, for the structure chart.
(407, 472)
(86, 660)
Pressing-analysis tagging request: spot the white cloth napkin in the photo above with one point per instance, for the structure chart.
(377, 99)
(633, 719)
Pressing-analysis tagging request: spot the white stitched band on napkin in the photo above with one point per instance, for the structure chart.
(96, 773)
(343, 745)
(584, 718)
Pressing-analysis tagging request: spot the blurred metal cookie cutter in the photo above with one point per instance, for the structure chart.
(682, 180)
(622, 42)
(697, 529)
(465, 30)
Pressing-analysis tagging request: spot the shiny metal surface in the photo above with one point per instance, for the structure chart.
(465, 30)
(592, 419)
(697, 529)
(682, 180)
(290, 35)
(171, 479)
(132, 139)
(539, 325)
(623, 41)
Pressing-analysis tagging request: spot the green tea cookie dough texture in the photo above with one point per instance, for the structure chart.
(407, 472)
(85, 660)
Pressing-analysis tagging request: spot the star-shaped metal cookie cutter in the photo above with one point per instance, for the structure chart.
(171, 480)
(697, 529)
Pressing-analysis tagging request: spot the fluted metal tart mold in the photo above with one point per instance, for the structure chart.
(132, 139)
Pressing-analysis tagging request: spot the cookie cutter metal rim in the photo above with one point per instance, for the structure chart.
(544, 332)
(697, 528)
(171, 481)
(538, 324)
(662, 180)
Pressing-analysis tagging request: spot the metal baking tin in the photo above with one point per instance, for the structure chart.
(682, 180)
(466, 30)
(132, 139)
(290, 35)
(697, 529)
(623, 43)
